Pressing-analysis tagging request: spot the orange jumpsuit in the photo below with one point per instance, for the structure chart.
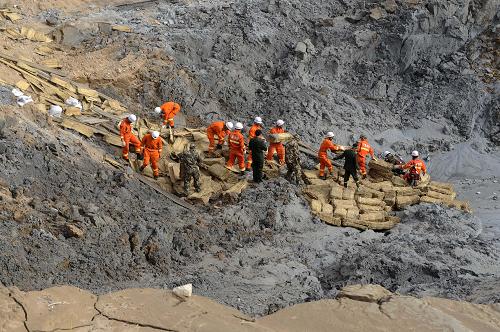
(278, 147)
(416, 166)
(128, 137)
(364, 149)
(152, 151)
(323, 155)
(169, 110)
(236, 149)
(216, 128)
(251, 134)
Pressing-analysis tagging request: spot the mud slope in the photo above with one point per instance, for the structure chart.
(263, 253)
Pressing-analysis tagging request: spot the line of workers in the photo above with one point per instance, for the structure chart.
(149, 149)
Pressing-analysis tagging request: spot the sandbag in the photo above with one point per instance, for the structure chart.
(336, 192)
(280, 138)
(440, 196)
(374, 193)
(363, 208)
(341, 203)
(404, 201)
(364, 192)
(375, 225)
(316, 205)
(444, 185)
(211, 161)
(407, 191)
(330, 220)
(462, 205)
(390, 198)
(327, 209)
(348, 194)
(440, 190)
(399, 181)
(352, 213)
(174, 172)
(370, 201)
(373, 216)
(340, 212)
(219, 172)
(320, 191)
(428, 199)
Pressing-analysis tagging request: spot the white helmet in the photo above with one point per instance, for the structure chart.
(280, 123)
(132, 118)
(414, 153)
(238, 126)
(157, 110)
(386, 153)
(258, 120)
(229, 125)
(330, 134)
(155, 134)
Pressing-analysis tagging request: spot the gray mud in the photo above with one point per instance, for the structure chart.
(415, 78)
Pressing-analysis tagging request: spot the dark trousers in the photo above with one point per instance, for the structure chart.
(257, 166)
(349, 173)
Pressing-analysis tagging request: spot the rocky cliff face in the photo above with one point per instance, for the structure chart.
(358, 308)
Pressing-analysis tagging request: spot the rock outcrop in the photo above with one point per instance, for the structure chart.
(358, 308)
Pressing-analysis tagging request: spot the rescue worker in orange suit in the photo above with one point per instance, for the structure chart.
(323, 154)
(257, 125)
(364, 149)
(416, 167)
(128, 137)
(277, 147)
(219, 129)
(152, 145)
(236, 148)
(168, 111)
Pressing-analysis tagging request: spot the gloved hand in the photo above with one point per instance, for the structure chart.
(218, 146)
(163, 126)
(123, 144)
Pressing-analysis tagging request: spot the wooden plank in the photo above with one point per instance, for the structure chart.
(63, 83)
(79, 127)
(34, 65)
(91, 120)
(99, 111)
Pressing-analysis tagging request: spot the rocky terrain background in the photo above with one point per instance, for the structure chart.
(409, 74)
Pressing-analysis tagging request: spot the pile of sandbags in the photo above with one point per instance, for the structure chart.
(369, 206)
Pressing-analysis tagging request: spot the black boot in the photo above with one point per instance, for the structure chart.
(345, 184)
(323, 177)
(142, 168)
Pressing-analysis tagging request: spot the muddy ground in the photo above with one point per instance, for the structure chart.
(418, 77)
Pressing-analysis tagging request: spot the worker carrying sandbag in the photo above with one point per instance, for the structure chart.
(168, 112)
(275, 146)
(220, 129)
(257, 125)
(350, 164)
(415, 169)
(326, 145)
(236, 148)
(152, 146)
(128, 137)
(364, 149)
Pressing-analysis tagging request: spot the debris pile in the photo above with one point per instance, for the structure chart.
(370, 205)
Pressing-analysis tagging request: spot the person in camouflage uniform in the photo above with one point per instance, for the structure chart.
(189, 161)
(292, 159)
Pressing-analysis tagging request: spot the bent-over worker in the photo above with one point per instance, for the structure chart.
(415, 167)
(364, 149)
(168, 111)
(326, 145)
(220, 129)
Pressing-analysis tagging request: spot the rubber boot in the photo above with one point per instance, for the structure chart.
(345, 184)
(357, 184)
(155, 177)
(323, 177)
(142, 168)
(197, 189)
(140, 156)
